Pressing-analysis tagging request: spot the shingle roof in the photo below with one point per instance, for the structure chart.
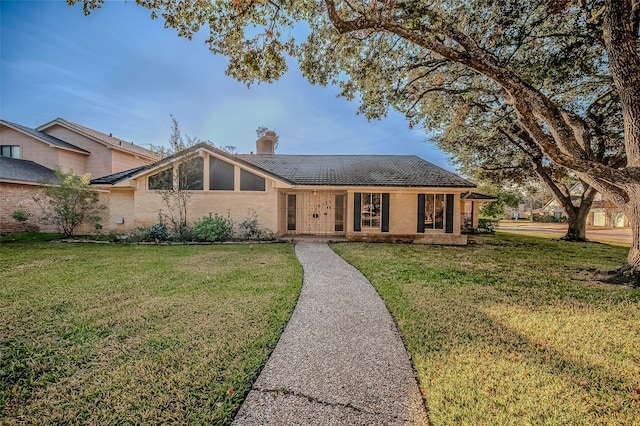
(356, 170)
(331, 170)
(45, 137)
(476, 196)
(117, 177)
(23, 170)
(106, 139)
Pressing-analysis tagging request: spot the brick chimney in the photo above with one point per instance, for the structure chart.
(267, 143)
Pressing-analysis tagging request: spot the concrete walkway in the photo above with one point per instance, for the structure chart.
(340, 360)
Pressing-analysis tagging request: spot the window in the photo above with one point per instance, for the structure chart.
(191, 174)
(162, 180)
(12, 151)
(371, 212)
(339, 213)
(221, 176)
(435, 212)
(291, 212)
(251, 182)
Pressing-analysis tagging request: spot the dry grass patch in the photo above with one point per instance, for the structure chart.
(138, 334)
(527, 339)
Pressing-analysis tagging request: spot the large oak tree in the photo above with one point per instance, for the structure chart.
(357, 42)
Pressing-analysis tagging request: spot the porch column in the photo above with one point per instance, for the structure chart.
(475, 212)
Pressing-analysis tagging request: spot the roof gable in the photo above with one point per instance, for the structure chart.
(107, 140)
(178, 157)
(43, 137)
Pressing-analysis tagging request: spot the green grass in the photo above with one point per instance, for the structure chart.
(513, 331)
(105, 334)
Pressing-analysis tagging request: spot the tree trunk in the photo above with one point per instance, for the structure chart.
(620, 30)
(577, 221)
(633, 214)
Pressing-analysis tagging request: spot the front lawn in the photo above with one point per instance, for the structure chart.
(513, 331)
(103, 334)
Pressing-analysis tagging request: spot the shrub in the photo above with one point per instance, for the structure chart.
(249, 229)
(21, 216)
(158, 232)
(487, 226)
(213, 228)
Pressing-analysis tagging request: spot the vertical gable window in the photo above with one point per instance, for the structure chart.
(221, 176)
(433, 208)
(371, 210)
(190, 174)
(12, 151)
(251, 182)
(162, 180)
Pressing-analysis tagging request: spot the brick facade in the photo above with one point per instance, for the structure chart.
(20, 197)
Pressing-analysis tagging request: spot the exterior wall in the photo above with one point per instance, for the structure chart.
(98, 162)
(30, 148)
(235, 204)
(20, 197)
(121, 161)
(403, 207)
(120, 216)
(71, 160)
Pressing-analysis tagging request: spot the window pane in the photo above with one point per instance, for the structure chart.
(429, 211)
(371, 210)
(221, 176)
(12, 151)
(339, 212)
(439, 211)
(190, 174)
(162, 180)
(251, 182)
(291, 212)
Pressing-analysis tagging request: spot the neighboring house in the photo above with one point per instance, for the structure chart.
(603, 212)
(357, 197)
(28, 157)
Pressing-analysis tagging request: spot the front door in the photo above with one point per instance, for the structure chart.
(316, 213)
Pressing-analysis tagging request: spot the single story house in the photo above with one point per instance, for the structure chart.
(357, 197)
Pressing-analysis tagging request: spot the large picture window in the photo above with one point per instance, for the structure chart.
(162, 180)
(221, 175)
(191, 174)
(371, 211)
(251, 182)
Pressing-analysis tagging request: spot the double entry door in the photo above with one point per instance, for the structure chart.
(316, 213)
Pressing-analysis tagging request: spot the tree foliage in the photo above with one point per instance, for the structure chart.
(394, 53)
(496, 209)
(70, 202)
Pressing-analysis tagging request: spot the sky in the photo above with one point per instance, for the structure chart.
(118, 71)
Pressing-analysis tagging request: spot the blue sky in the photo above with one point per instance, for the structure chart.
(120, 72)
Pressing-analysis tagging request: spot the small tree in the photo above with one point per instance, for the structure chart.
(69, 202)
(176, 185)
(496, 209)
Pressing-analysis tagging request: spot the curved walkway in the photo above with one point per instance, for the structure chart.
(340, 360)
